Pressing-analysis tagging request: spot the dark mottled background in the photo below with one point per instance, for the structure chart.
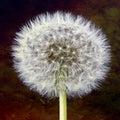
(17, 102)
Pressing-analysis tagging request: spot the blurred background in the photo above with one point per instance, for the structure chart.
(17, 102)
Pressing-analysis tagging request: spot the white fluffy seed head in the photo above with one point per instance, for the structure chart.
(59, 51)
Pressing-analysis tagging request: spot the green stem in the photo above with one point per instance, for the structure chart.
(62, 105)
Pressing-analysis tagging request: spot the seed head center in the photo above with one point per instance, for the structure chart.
(64, 54)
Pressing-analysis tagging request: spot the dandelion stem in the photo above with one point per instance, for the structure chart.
(62, 105)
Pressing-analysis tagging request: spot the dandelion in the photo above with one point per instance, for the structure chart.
(60, 54)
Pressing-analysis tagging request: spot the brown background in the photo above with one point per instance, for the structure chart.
(17, 102)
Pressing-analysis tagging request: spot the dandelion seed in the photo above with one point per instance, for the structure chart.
(51, 52)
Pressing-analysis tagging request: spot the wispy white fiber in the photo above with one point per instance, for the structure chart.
(58, 46)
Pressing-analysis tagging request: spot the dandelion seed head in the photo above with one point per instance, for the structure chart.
(59, 51)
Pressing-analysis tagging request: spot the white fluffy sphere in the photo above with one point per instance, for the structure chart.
(60, 51)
